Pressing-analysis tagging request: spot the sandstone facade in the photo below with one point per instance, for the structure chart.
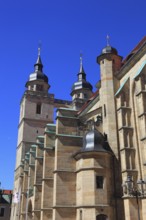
(74, 168)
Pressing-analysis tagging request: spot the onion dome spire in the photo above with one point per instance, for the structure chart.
(38, 70)
(108, 48)
(81, 74)
(38, 65)
(81, 83)
(81, 89)
(108, 51)
(94, 143)
(93, 140)
(81, 64)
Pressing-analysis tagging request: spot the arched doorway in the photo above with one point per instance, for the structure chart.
(101, 217)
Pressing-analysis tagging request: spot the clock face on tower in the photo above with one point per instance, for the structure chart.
(39, 87)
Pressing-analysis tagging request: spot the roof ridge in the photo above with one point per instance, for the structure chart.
(88, 101)
(135, 49)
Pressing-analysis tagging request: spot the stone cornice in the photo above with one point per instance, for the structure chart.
(33, 120)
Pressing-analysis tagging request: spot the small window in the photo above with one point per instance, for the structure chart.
(39, 87)
(81, 215)
(32, 87)
(2, 211)
(38, 108)
(99, 182)
(104, 110)
(85, 96)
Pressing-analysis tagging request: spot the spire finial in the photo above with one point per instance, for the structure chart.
(39, 48)
(38, 65)
(81, 62)
(81, 58)
(108, 40)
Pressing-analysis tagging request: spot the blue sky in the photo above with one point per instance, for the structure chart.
(64, 27)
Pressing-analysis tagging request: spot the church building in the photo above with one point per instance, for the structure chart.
(90, 162)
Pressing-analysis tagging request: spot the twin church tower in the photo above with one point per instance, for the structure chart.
(74, 167)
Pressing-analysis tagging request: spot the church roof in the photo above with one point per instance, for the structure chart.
(88, 102)
(132, 57)
(138, 46)
(109, 49)
(93, 141)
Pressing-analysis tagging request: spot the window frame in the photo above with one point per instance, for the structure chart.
(2, 211)
(38, 108)
(99, 182)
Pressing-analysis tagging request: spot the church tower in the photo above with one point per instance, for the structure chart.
(110, 63)
(81, 90)
(36, 110)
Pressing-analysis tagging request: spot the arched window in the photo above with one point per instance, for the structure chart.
(101, 217)
(29, 206)
(38, 108)
(29, 210)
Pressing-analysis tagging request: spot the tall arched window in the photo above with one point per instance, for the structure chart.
(29, 210)
(101, 217)
(38, 108)
(29, 206)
